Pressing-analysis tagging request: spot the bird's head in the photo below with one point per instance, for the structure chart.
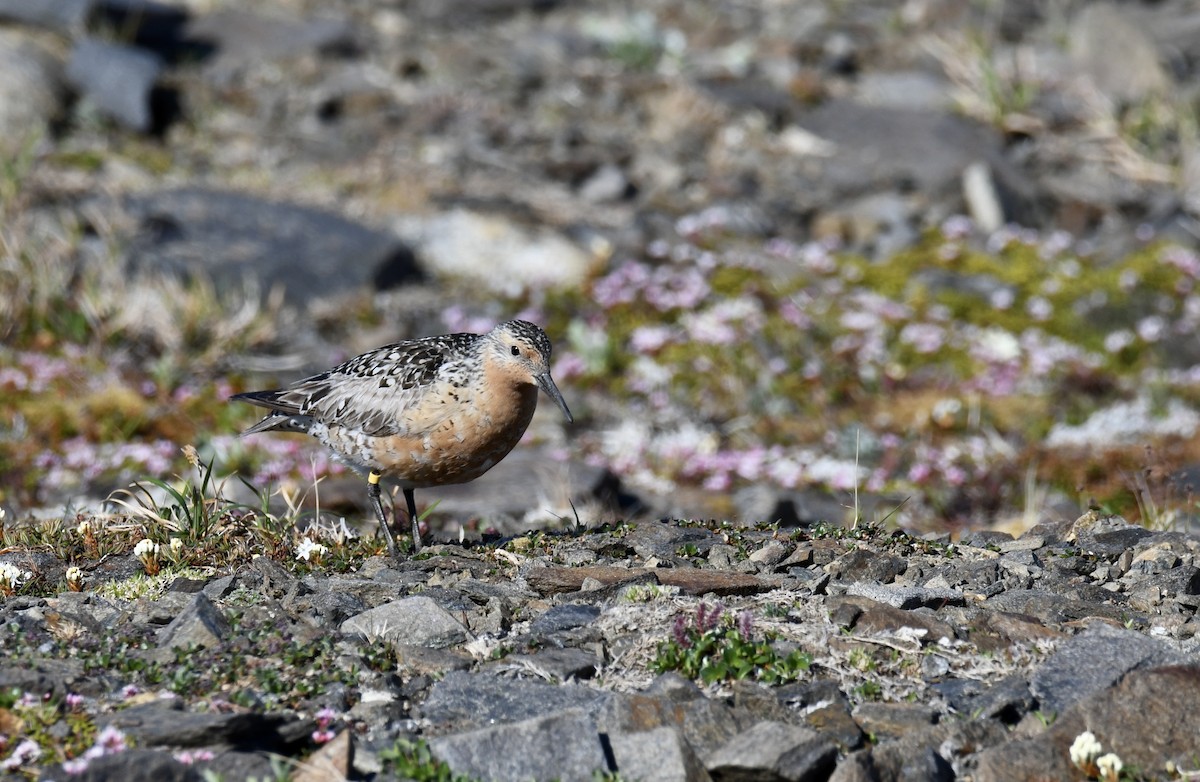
(522, 349)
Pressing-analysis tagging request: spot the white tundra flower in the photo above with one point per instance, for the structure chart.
(12, 576)
(1085, 749)
(310, 550)
(146, 548)
(1110, 766)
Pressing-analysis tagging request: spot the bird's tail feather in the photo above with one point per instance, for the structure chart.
(284, 417)
(281, 422)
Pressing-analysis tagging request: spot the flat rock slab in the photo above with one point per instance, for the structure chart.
(868, 617)
(31, 90)
(556, 580)
(717, 582)
(242, 37)
(1148, 719)
(558, 664)
(776, 751)
(562, 745)
(883, 144)
(995, 630)
(505, 494)
(1112, 542)
(660, 754)
(63, 16)
(907, 598)
(1052, 608)
(135, 765)
(706, 725)
(417, 620)
(564, 617)
(232, 237)
(46, 676)
(422, 660)
(200, 623)
(464, 700)
(663, 539)
(889, 720)
(168, 724)
(117, 79)
(1094, 660)
(494, 250)
(867, 567)
(693, 581)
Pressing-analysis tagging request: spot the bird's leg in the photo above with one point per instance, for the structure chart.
(416, 523)
(373, 492)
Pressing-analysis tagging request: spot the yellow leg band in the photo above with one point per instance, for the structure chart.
(374, 477)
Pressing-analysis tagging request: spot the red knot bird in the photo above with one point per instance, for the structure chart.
(424, 412)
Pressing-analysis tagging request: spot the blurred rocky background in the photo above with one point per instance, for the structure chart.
(930, 261)
(859, 306)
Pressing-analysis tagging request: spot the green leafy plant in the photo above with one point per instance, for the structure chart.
(869, 690)
(413, 760)
(379, 657)
(1046, 718)
(713, 646)
(861, 660)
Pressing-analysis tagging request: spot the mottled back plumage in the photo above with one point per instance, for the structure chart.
(428, 411)
(368, 392)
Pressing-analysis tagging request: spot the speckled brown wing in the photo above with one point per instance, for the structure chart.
(368, 393)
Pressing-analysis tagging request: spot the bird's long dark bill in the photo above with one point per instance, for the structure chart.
(546, 383)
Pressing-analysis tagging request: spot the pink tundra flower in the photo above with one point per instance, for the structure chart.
(957, 227)
(26, 752)
(75, 767)
(679, 631)
(745, 624)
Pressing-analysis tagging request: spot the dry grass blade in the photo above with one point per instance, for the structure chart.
(989, 87)
(1108, 143)
(138, 507)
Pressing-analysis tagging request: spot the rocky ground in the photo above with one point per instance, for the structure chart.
(666, 650)
(862, 283)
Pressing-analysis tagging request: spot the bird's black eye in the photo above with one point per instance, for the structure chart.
(516, 351)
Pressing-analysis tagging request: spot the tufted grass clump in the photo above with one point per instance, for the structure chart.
(186, 527)
(194, 521)
(712, 647)
(196, 511)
